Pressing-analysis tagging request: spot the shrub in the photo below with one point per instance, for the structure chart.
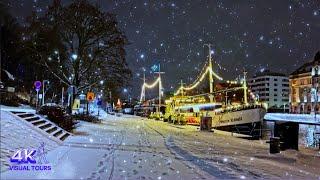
(87, 118)
(58, 115)
(9, 99)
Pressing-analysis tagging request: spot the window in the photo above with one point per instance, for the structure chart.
(275, 79)
(275, 89)
(275, 84)
(285, 85)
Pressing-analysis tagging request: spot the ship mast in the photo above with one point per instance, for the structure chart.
(211, 84)
(181, 87)
(245, 88)
(144, 89)
(160, 87)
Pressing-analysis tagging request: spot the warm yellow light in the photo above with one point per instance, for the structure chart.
(198, 81)
(152, 85)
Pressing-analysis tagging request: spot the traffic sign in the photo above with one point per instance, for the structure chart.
(37, 84)
(99, 103)
(90, 96)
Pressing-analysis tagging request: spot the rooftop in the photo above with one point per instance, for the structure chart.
(305, 68)
(268, 73)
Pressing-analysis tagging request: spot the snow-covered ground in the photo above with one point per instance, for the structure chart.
(129, 147)
(16, 134)
(302, 118)
(23, 108)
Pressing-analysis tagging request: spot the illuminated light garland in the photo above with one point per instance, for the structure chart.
(216, 75)
(145, 85)
(152, 85)
(198, 81)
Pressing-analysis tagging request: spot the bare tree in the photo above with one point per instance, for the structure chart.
(79, 45)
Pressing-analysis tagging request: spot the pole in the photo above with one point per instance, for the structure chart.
(43, 91)
(226, 98)
(37, 99)
(159, 88)
(62, 96)
(210, 74)
(316, 100)
(245, 88)
(68, 99)
(181, 86)
(144, 91)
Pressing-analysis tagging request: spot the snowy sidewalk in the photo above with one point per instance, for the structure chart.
(122, 148)
(129, 147)
(15, 135)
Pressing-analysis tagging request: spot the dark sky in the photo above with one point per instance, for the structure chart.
(279, 35)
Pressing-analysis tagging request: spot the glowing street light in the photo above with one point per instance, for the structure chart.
(101, 82)
(74, 56)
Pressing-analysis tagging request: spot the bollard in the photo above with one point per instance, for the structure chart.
(274, 145)
(205, 123)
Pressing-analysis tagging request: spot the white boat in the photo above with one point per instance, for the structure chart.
(242, 119)
(237, 117)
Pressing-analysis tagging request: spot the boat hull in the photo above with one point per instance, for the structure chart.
(234, 118)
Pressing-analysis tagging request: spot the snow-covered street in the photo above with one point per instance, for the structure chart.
(130, 147)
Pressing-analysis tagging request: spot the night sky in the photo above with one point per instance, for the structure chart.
(279, 35)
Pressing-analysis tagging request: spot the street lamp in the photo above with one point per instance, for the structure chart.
(74, 56)
(125, 90)
(43, 87)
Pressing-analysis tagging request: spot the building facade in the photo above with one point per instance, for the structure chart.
(304, 90)
(270, 88)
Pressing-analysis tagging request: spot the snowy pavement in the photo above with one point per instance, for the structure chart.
(23, 108)
(129, 147)
(16, 134)
(299, 118)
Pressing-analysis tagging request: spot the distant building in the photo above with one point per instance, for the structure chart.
(270, 88)
(304, 90)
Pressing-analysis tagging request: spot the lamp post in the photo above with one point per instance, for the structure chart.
(125, 90)
(43, 87)
(314, 85)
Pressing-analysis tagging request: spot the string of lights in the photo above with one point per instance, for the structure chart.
(149, 86)
(199, 80)
(152, 85)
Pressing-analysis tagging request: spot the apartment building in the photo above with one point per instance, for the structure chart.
(270, 88)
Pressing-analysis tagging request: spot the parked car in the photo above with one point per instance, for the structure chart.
(58, 115)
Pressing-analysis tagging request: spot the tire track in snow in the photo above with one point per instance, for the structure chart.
(187, 157)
